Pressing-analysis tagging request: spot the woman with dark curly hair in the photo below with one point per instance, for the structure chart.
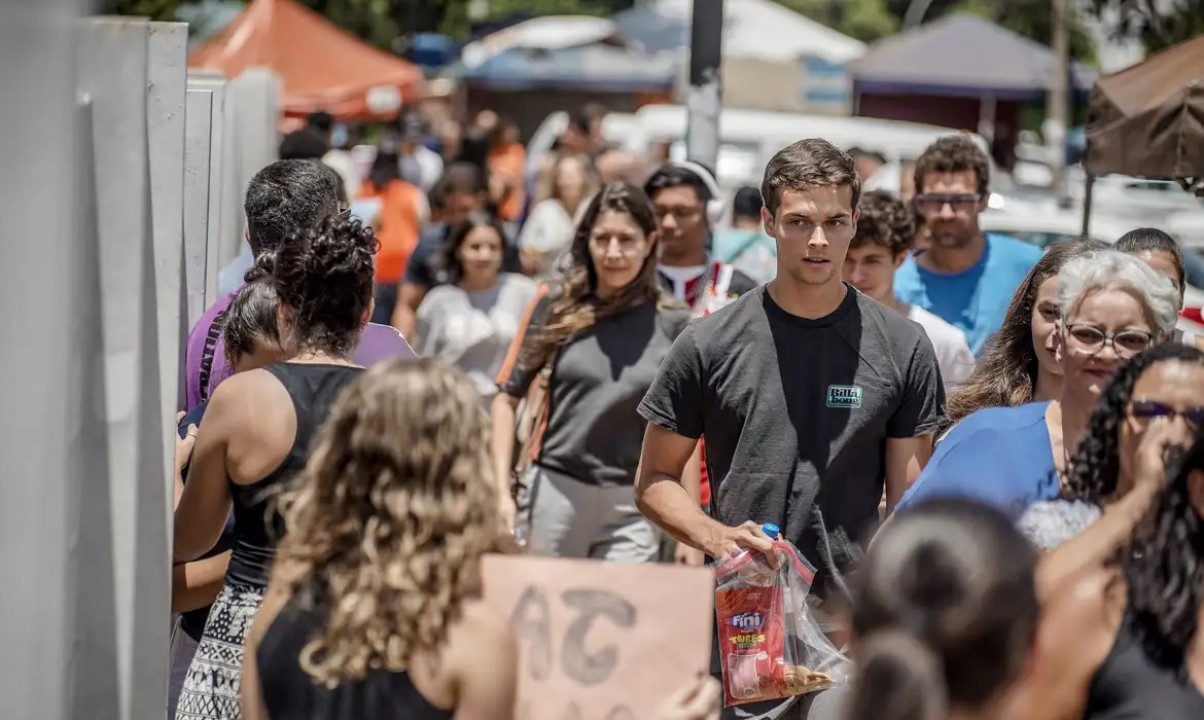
(255, 438)
(1111, 307)
(471, 321)
(373, 611)
(597, 340)
(1120, 464)
(1018, 365)
(1124, 640)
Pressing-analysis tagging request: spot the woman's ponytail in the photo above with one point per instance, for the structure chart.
(899, 677)
(265, 265)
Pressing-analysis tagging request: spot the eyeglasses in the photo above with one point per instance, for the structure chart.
(679, 213)
(936, 202)
(1090, 340)
(1151, 409)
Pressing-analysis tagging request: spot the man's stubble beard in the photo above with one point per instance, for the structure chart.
(951, 241)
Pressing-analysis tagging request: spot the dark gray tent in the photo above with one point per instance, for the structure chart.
(961, 56)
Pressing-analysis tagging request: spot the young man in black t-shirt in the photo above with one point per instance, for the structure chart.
(812, 396)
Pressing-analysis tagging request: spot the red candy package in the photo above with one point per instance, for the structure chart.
(770, 645)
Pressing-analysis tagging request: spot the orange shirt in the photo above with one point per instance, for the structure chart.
(509, 161)
(398, 227)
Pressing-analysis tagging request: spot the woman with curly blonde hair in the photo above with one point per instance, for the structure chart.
(372, 612)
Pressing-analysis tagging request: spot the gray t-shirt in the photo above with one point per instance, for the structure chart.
(473, 330)
(796, 414)
(594, 433)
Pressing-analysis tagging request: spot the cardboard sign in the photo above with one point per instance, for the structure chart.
(601, 640)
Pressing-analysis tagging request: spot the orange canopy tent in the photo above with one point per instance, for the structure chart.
(321, 66)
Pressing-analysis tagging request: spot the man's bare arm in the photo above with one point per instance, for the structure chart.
(662, 498)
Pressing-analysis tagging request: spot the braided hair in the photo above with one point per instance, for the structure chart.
(1164, 571)
(1095, 467)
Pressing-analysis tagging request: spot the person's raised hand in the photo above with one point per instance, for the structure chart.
(700, 700)
(1153, 450)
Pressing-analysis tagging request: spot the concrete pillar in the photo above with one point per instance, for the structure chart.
(46, 441)
(122, 521)
(220, 134)
(254, 98)
(198, 181)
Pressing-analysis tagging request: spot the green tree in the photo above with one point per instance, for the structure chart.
(153, 9)
(1158, 24)
(866, 20)
(1034, 19)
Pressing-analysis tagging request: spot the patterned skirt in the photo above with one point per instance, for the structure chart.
(211, 690)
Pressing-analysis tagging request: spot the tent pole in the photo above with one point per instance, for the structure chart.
(1088, 190)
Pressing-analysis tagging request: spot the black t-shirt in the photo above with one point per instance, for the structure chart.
(796, 414)
(593, 432)
(422, 268)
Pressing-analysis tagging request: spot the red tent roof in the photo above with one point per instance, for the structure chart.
(322, 67)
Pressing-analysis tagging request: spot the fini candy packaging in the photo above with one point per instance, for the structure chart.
(770, 645)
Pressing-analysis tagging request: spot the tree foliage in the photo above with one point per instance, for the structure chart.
(152, 9)
(1034, 19)
(866, 20)
(1031, 18)
(1158, 23)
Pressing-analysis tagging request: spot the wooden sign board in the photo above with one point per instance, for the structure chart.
(601, 640)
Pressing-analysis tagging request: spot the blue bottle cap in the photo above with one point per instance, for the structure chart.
(773, 531)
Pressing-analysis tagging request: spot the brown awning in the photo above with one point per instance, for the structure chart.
(1148, 120)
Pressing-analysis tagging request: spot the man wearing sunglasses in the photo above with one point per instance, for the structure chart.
(964, 277)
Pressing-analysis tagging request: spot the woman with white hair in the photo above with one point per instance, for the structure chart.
(1112, 307)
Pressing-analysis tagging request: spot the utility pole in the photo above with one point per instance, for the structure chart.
(1057, 106)
(704, 98)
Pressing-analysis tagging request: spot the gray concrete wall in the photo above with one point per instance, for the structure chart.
(94, 278)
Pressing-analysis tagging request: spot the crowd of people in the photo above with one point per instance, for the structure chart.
(991, 452)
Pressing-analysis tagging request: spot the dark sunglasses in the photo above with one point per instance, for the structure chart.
(937, 202)
(1151, 409)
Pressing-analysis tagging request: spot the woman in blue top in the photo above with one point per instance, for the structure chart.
(1112, 306)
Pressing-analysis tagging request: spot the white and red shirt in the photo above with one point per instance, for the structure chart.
(705, 288)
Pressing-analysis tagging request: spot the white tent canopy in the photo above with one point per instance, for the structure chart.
(551, 32)
(753, 29)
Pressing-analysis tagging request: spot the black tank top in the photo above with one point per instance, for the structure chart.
(290, 693)
(1131, 686)
(257, 526)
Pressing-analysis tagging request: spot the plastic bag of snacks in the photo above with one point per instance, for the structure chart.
(770, 645)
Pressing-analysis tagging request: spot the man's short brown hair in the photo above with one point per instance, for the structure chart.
(954, 153)
(884, 221)
(808, 164)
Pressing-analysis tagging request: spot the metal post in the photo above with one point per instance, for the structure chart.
(1057, 104)
(704, 99)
